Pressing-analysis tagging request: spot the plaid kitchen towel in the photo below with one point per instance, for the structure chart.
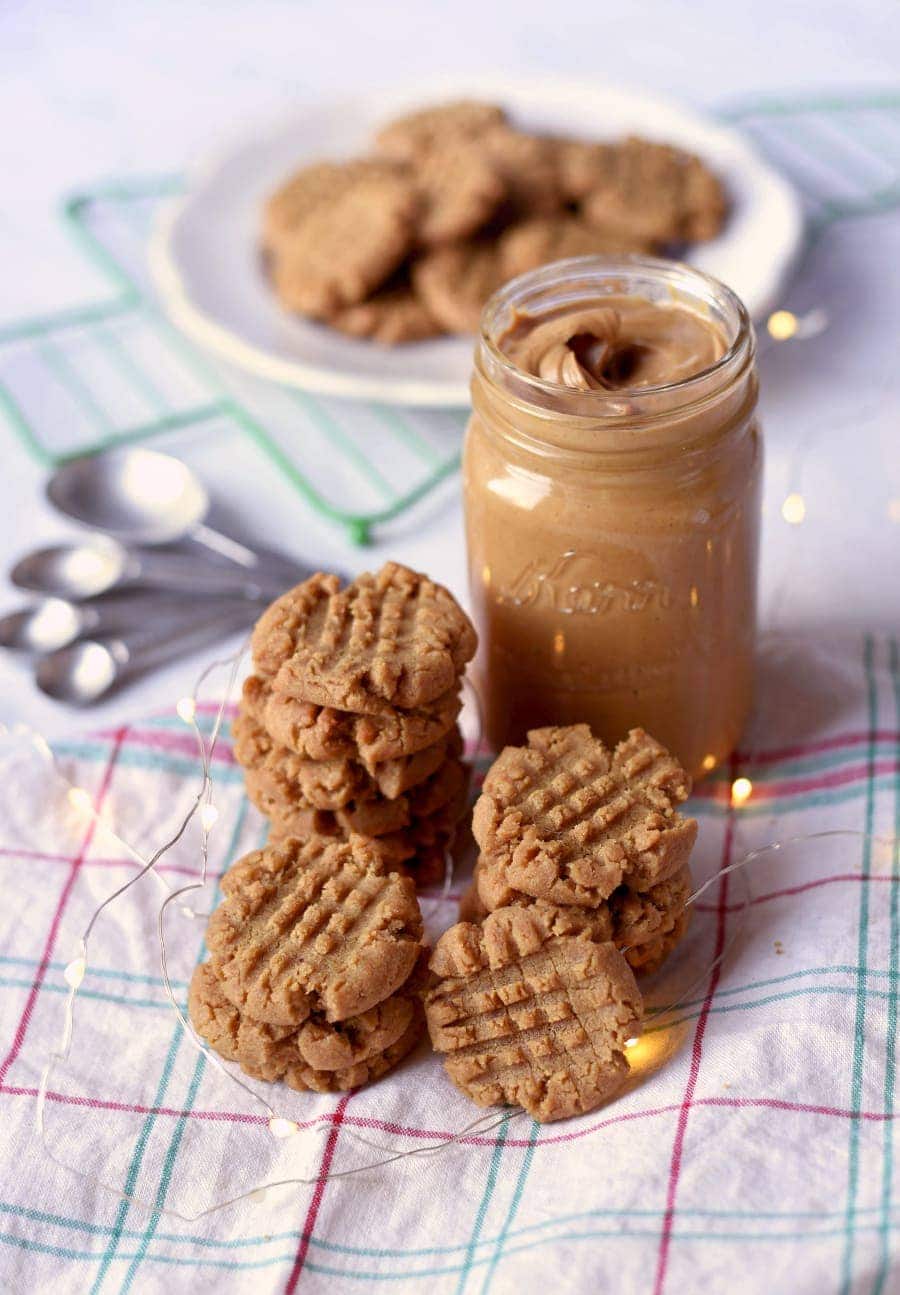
(753, 1151)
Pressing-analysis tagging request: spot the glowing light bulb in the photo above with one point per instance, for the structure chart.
(186, 709)
(80, 799)
(74, 972)
(208, 816)
(279, 1127)
(633, 1042)
(782, 325)
(741, 791)
(709, 762)
(793, 509)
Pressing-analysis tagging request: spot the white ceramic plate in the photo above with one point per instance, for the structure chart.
(204, 250)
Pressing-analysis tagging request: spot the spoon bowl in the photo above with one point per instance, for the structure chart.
(79, 675)
(45, 627)
(139, 496)
(75, 571)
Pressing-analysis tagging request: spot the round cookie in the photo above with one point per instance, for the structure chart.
(332, 784)
(533, 243)
(456, 281)
(657, 192)
(418, 132)
(292, 814)
(528, 1017)
(323, 733)
(391, 640)
(313, 187)
(528, 166)
(565, 821)
(316, 925)
(583, 165)
(460, 189)
(391, 316)
(272, 1053)
(346, 246)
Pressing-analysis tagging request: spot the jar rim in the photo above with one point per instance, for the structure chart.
(677, 274)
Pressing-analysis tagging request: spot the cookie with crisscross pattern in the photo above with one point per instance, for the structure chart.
(386, 641)
(313, 925)
(565, 820)
(529, 1017)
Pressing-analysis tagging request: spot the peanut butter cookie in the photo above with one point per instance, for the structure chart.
(460, 189)
(346, 247)
(323, 733)
(281, 1052)
(312, 925)
(657, 192)
(456, 281)
(533, 243)
(332, 784)
(386, 641)
(279, 798)
(529, 1017)
(418, 132)
(566, 821)
(391, 316)
(528, 167)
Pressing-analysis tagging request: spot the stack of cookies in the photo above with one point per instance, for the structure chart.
(597, 836)
(410, 242)
(316, 966)
(582, 880)
(349, 725)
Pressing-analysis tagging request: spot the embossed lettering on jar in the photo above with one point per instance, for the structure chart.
(612, 486)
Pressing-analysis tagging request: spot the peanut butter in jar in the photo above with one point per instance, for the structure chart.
(612, 475)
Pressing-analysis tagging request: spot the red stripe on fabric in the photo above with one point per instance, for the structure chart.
(694, 1071)
(177, 744)
(314, 1205)
(440, 1135)
(125, 862)
(43, 965)
(763, 791)
(794, 890)
(817, 748)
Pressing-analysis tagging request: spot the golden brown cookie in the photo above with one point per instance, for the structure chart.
(292, 814)
(533, 243)
(645, 959)
(583, 165)
(313, 925)
(346, 246)
(315, 186)
(657, 192)
(332, 784)
(391, 316)
(566, 821)
(460, 188)
(386, 641)
(323, 733)
(281, 1052)
(645, 925)
(528, 1017)
(418, 132)
(528, 167)
(456, 281)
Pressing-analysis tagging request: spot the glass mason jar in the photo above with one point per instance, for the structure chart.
(613, 534)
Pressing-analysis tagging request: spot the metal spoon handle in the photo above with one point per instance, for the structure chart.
(153, 647)
(198, 577)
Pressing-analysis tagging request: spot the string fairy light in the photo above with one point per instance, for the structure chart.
(647, 1051)
(793, 510)
(741, 791)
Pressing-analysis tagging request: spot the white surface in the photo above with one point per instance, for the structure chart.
(96, 90)
(237, 314)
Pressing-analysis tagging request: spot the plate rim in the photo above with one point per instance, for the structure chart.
(196, 323)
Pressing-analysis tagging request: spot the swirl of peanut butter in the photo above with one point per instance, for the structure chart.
(627, 343)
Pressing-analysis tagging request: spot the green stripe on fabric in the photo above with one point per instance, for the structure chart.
(493, 1170)
(137, 1158)
(859, 1031)
(513, 1206)
(803, 1236)
(890, 1061)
